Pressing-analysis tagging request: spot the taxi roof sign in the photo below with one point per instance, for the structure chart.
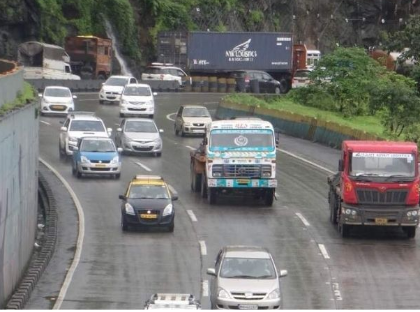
(147, 177)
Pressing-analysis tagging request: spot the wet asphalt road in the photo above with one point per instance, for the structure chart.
(374, 269)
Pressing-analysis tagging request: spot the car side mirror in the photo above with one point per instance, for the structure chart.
(340, 165)
(160, 130)
(283, 273)
(63, 129)
(74, 96)
(121, 197)
(103, 83)
(119, 150)
(119, 129)
(109, 130)
(61, 122)
(211, 272)
(174, 196)
(155, 93)
(40, 94)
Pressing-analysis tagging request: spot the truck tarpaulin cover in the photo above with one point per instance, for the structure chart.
(33, 53)
(243, 50)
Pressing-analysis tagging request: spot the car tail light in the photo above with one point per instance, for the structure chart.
(247, 79)
(349, 193)
(413, 196)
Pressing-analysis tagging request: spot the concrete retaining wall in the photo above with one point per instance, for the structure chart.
(11, 81)
(309, 128)
(18, 195)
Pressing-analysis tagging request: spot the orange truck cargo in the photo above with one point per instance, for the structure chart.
(377, 185)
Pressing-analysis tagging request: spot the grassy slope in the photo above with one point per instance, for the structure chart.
(27, 96)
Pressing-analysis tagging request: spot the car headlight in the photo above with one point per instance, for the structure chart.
(124, 102)
(168, 210)
(348, 211)
(72, 140)
(187, 124)
(129, 209)
(414, 213)
(158, 140)
(221, 293)
(115, 160)
(83, 159)
(45, 101)
(275, 294)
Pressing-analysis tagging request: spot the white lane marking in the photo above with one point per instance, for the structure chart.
(302, 218)
(80, 237)
(143, 166)
(44, 122)
(203, 248)
(192, 215)
(191, 148)
(116, 124)
(169, 118)
(337, 292)
(306, 161)
(324, 251)
(205, 288)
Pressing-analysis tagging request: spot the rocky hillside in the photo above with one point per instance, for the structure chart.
(321, 24)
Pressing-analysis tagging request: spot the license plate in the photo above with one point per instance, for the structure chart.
(243, 181)
(148, 216)
(381, 221)
(248, 307)
(57, 107)
(100, 165)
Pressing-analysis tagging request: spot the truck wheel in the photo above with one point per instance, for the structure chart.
(333, 207)
(211, 196)
(410, 231)
(203, 188)
(269, 197)
(195, 181)
(344, 230)
(283, 86)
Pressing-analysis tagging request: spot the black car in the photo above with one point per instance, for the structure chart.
(147, 202)
(267, 84)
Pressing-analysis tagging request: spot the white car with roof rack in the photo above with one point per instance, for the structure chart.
(78, 125)
(166, 72)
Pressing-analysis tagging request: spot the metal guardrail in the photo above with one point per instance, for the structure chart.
(11, 81)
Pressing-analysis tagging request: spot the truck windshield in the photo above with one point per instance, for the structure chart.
(255, 140)
(382, 165)
(121, 82)
(137, 91)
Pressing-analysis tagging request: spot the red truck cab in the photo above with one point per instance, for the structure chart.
(377, 185)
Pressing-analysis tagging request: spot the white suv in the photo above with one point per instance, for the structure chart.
(167, 73)
(112, 88)
(78, 125)
(137, 99)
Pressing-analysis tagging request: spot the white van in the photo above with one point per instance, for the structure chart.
(137, 100)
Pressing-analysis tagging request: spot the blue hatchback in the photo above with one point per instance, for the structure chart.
(98, 156)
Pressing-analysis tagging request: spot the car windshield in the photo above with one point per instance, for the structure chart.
(97, 146)
(140, 126)
(57, 92)
(137, 91)
(257, 140)
(195, 112)
(87, 125)
(247, 268)
(148, 192)
(382, 165)
(112, 81)
(153, 70)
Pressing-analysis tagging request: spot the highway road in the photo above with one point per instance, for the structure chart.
(374, 269)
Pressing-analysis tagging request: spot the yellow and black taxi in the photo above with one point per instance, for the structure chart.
(148, 201)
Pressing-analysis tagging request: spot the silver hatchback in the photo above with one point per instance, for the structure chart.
(245, 277)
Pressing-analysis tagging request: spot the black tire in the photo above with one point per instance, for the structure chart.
(176, 131)
(344, 230)
(101, 102)
(332, 198)
(73, 170)
(182, 132)
(158, 154)
(203, 188)
(151, 116)
(60, 152)
(117, 176)
(121, 115)
(78, 173)
(195, 181)
(171, 227)
(269, 197)
(211, 196)
(124, 225)
(283, 86)
(410, 231)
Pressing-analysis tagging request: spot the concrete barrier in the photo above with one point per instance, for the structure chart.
(11, 81)
(304, 127)
(18, 195)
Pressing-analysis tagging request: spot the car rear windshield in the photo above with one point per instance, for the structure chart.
(148, 192)
(140, 126)
(116, 82)
(101, 146)
(302, 73)
(247, 268)
(57, 92)
(137, 91)
(87, 125)
(195, 112)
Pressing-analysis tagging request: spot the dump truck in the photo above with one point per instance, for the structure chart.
(236, 157)
(91, 57)
(377, 184)
(44, 61)
(221, 53)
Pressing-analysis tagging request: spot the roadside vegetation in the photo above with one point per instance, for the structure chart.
(23, 98)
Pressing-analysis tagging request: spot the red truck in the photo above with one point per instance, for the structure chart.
(377, 185)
